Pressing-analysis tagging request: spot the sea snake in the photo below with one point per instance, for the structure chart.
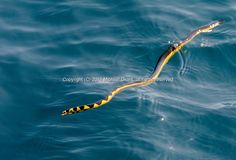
(164, 58)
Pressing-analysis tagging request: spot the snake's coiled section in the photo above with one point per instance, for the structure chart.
(165, 57)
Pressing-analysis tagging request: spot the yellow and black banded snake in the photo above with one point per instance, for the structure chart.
(164, 58)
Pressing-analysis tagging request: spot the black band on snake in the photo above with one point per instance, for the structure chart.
(165, 57)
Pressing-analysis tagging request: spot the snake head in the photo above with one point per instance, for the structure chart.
(221, 21)
(211, 26)
(216, 23)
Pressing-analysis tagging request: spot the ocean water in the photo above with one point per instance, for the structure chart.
(59, 54)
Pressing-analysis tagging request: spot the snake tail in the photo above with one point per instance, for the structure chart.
(87, 107)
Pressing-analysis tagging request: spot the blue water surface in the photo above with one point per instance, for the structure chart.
(59, 54)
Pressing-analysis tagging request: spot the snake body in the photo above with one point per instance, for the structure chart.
(164, 58)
